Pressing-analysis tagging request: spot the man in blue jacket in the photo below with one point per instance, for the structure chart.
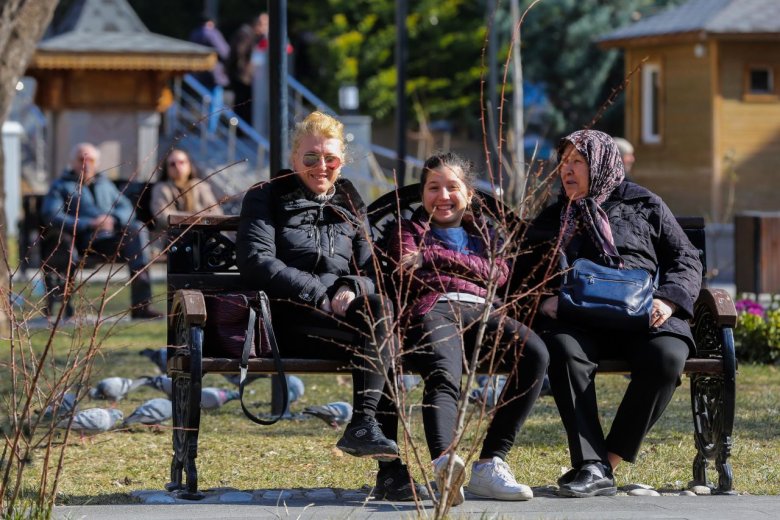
(86, 205)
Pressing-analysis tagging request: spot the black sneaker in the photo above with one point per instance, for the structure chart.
(364, 438)
(395, 484)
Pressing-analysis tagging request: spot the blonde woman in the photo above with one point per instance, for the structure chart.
(304, 240)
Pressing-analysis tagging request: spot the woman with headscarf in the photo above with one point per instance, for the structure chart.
(606, 219)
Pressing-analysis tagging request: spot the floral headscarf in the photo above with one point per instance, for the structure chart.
(606, 173)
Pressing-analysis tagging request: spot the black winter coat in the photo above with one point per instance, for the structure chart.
(300, 250)
(647, 236)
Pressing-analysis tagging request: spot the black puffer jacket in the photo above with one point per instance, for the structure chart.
(300, 250)
(647, 236)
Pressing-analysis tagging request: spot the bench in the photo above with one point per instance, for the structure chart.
(203, 262)
(36, 245)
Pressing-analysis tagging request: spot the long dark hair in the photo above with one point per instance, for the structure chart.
(452, 161)
(194, 174)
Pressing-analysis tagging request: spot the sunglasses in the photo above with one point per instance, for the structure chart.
(313, 159)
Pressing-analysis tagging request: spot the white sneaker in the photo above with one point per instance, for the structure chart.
(495, 480)
(456, 497)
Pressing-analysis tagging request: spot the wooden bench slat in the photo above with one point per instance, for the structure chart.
(221, 222)
(260, 365)
(313, 366)
(225, 282)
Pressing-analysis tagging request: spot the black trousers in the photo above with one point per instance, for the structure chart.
(435, 345)
(364, 337)
(128, 244)
(656, 362)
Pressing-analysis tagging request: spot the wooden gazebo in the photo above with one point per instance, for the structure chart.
(103, 77)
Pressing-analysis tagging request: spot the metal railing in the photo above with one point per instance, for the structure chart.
(233, 143)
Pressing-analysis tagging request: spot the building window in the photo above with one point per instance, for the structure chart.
(761, 80)
(651, 103)
(759, 84)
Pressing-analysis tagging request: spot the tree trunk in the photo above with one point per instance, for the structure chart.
(22, 23)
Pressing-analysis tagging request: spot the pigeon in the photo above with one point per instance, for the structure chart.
(116, 388)
(162, 383)
(488, 391)
(295, 388)
(66, 405)
(153, 411)
(157, 356)
(408, 381)
(335, 414)
(476, 395)
(213, 398)
(93, 420)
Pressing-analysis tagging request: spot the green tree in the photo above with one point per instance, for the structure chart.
(560, 52)
(355, 44)
(353, 41)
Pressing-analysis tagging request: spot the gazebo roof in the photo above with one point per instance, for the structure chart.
(108, 35)
(702, 17)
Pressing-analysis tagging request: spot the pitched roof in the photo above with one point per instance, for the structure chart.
(708, 16)
(93, 33)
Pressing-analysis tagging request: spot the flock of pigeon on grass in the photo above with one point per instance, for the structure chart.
(156, 411)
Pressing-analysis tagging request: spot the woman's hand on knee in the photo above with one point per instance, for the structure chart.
(549, 307)
(662, 311)
(341, 300)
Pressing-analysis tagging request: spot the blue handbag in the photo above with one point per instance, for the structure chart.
(594, 295)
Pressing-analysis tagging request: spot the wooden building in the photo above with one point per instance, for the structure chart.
(103, 77)
(703, 105)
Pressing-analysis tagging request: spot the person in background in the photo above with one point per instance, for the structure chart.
(240, 68)
(180, 191)
(216, 79)
(303, 238)
(446, 257)
(611, 221)
(84, 200)
(626, 154)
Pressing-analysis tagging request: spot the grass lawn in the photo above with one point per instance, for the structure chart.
(301, 454)
(237, 453)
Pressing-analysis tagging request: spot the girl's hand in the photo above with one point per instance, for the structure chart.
(411, 260)
(325, 305)
(549, 307)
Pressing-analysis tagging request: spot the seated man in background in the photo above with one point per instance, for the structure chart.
(86, 203)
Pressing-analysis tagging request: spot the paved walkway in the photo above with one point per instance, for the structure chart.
(330, 504)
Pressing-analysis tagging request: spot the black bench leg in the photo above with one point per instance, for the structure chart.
(186, 421)
(713, 403)
(722, 464)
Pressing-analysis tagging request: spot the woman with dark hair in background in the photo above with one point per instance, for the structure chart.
(180, 191)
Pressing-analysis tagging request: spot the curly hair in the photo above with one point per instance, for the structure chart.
(319, 124)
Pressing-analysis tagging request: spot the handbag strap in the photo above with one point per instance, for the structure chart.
(261, 301)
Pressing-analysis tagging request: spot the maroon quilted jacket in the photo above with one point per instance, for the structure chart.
(443, 270)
